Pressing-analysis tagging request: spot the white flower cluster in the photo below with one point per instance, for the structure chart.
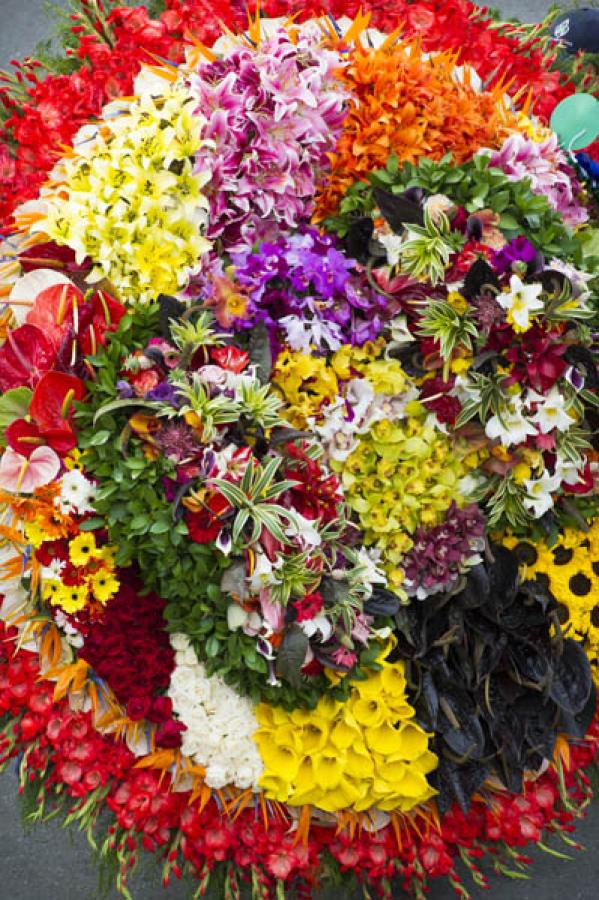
(77, 493)
(220, 724)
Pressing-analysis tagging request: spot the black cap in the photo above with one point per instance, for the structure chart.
(578, 30)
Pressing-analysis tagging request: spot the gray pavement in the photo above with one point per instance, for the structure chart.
(49, 863)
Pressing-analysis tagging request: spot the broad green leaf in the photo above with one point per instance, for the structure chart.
(14, 404)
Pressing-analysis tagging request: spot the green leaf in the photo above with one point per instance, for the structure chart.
(259, 350)
(124, 404)
(291, 656)
(160, 527)
(92, 524)
(212, 646)
(98, 438)
(230, 492)
(508, 221)
(14, 404)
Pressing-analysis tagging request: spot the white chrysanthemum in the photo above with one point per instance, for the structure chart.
(77, 493)
(220, 724)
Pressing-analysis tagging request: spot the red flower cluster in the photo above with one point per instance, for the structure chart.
(130, 650)
(83, 759)
(65, 756)
(143, 804)
(60, 329)
(60, 104)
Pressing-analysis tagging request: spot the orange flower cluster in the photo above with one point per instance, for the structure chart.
(410, 104)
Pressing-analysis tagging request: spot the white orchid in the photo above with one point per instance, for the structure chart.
(521, 301)
(510, 425)
(264, 573)
(551, 411)
(539, 491)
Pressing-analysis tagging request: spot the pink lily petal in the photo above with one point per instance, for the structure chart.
(21, 475)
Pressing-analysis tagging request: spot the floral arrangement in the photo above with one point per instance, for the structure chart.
(298, 430)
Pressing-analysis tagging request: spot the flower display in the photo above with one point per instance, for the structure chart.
(298, 444)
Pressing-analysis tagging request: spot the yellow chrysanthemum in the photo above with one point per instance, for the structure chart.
(366, 752)
(104, 585)
(70, 598)
(82, 549)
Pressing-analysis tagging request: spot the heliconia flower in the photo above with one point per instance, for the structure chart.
(21, 474)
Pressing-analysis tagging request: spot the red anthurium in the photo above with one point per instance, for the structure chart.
(53, 397)
(24, 437)
(26, 355)
(60, 308)
(53, 311)
(101, 314)
(49, 413)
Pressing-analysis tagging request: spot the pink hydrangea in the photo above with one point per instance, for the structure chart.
(547, 168)
(274, 114)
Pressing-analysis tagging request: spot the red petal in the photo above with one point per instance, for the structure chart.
(53, 310)
(25, 357)
(48, 399)
(52, 253)
(115, 311)
(17, 434)
(62, 440)
(230, 358)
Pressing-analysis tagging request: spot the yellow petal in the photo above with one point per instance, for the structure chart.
(328, 769)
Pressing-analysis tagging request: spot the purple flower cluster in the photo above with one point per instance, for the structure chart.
(308, 293)
(274, 113)
(548, 170)
(441, 554)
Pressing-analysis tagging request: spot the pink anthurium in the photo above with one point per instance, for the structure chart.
(20, 474)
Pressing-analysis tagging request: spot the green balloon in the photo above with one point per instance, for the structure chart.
(576, 121)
